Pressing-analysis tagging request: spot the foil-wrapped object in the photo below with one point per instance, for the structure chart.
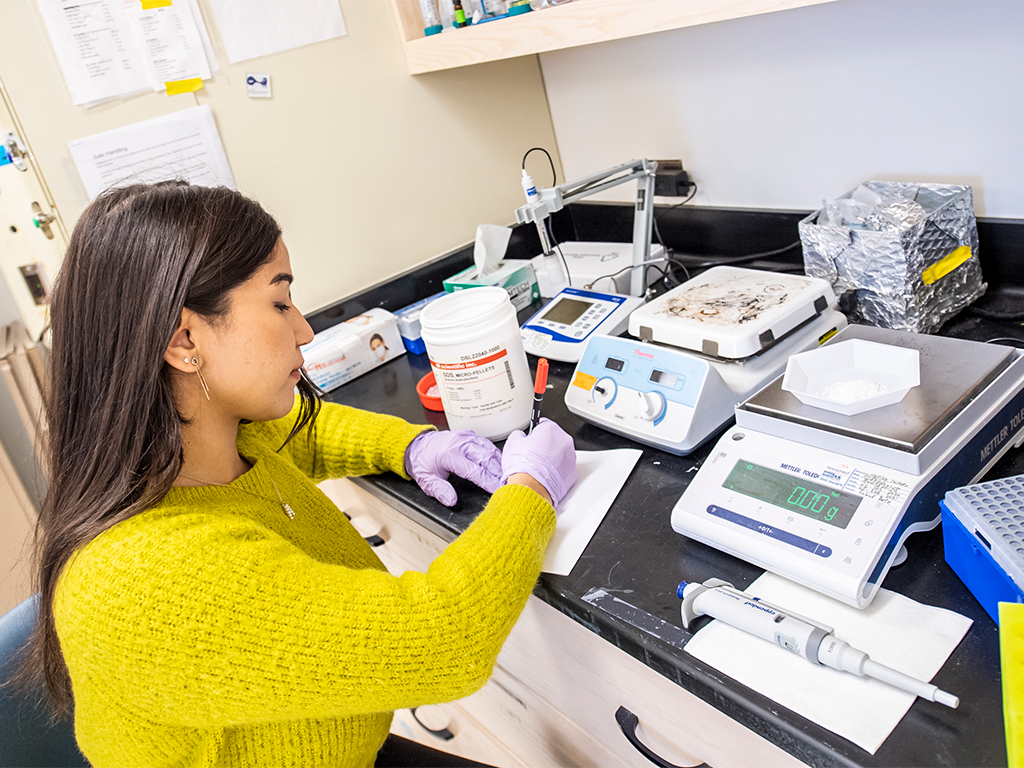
(902, 256)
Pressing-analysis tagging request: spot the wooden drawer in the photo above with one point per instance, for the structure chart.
(536, 732)
(465, 736)
(587, 679)
(408, 546)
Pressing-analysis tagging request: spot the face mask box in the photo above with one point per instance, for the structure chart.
(349, 349)
(516, 276)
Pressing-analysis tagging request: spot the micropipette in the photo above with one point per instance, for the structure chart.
(798, 634)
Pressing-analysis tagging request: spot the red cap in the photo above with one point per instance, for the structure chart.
(541, 382)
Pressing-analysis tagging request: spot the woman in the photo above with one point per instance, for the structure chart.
(201, 599)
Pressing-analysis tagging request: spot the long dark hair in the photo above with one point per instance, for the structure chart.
(137, 256)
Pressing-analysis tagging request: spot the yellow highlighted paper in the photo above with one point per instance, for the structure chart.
(943, 267)
(148, 5)
(1011, 650)
(184, 86)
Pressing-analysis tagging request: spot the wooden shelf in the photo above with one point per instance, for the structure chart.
(581, 22)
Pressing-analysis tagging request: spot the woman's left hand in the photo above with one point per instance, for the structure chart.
(432, 456)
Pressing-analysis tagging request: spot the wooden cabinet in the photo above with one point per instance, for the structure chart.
(563, 26)
(17, 521)
(557, 686)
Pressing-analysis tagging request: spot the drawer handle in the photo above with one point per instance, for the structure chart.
(628, 722)
(373, 541)
(442, 733)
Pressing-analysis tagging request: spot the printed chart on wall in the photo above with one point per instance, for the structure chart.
(184, 145)
(113, 48)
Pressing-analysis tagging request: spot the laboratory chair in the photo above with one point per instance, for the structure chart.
(29, 738)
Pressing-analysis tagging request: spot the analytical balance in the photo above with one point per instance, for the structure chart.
(826, 499)
(705, 346)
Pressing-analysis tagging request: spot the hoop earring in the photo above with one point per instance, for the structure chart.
(202, 380)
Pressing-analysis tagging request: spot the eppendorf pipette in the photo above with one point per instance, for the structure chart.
(804, 637)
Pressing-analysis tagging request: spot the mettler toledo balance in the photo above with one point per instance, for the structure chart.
(705, 346)
(827, 499)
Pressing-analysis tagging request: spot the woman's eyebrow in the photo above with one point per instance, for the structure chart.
(282, 277)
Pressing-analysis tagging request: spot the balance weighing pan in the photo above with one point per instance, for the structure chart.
(731, 313)
(953, 373)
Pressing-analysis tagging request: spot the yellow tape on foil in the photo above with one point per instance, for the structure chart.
(184, 86)
(148, 5)
(943, 267)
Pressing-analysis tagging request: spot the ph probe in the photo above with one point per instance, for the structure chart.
(804, 637)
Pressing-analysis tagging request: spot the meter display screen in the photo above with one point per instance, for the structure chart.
(613, 364)
(663, 378)
(566, 311)
(793, 494)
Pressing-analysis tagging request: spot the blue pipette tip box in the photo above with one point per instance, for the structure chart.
(983, 538)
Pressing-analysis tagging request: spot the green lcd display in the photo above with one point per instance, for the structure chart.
(792, 493)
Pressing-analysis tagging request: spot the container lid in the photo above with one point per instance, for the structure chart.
(429, 393)
(466, 314)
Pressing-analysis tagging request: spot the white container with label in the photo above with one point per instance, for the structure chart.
(476, 353)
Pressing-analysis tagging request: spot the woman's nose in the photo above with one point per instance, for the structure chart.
(303, 333)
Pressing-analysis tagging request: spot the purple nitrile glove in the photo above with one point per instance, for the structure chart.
(432, 456)
(546, 454)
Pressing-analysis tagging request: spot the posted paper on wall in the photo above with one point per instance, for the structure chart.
(184, 145)
(172, 48)
(112, 48)
(251, 28)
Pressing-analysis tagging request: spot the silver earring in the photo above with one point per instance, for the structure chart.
(202, 380)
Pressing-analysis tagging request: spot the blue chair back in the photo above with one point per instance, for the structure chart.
(29, 737)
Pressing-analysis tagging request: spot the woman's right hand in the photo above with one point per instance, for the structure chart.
(546, 455)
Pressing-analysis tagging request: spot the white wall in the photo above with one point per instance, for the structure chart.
(785, 109)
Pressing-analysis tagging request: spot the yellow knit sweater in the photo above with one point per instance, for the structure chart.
(212, 630)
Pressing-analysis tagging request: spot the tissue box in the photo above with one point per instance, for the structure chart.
(347, 350)
(902, 256)
(514, 275)
(409, 324)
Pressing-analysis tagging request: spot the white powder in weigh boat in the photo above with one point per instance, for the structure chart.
(851, 390)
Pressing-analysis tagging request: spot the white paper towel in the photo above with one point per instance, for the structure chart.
(489, 248)
(894, 630)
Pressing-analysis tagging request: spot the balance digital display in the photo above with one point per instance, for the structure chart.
(793, 493)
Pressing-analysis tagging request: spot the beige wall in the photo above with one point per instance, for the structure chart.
(369, 170)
